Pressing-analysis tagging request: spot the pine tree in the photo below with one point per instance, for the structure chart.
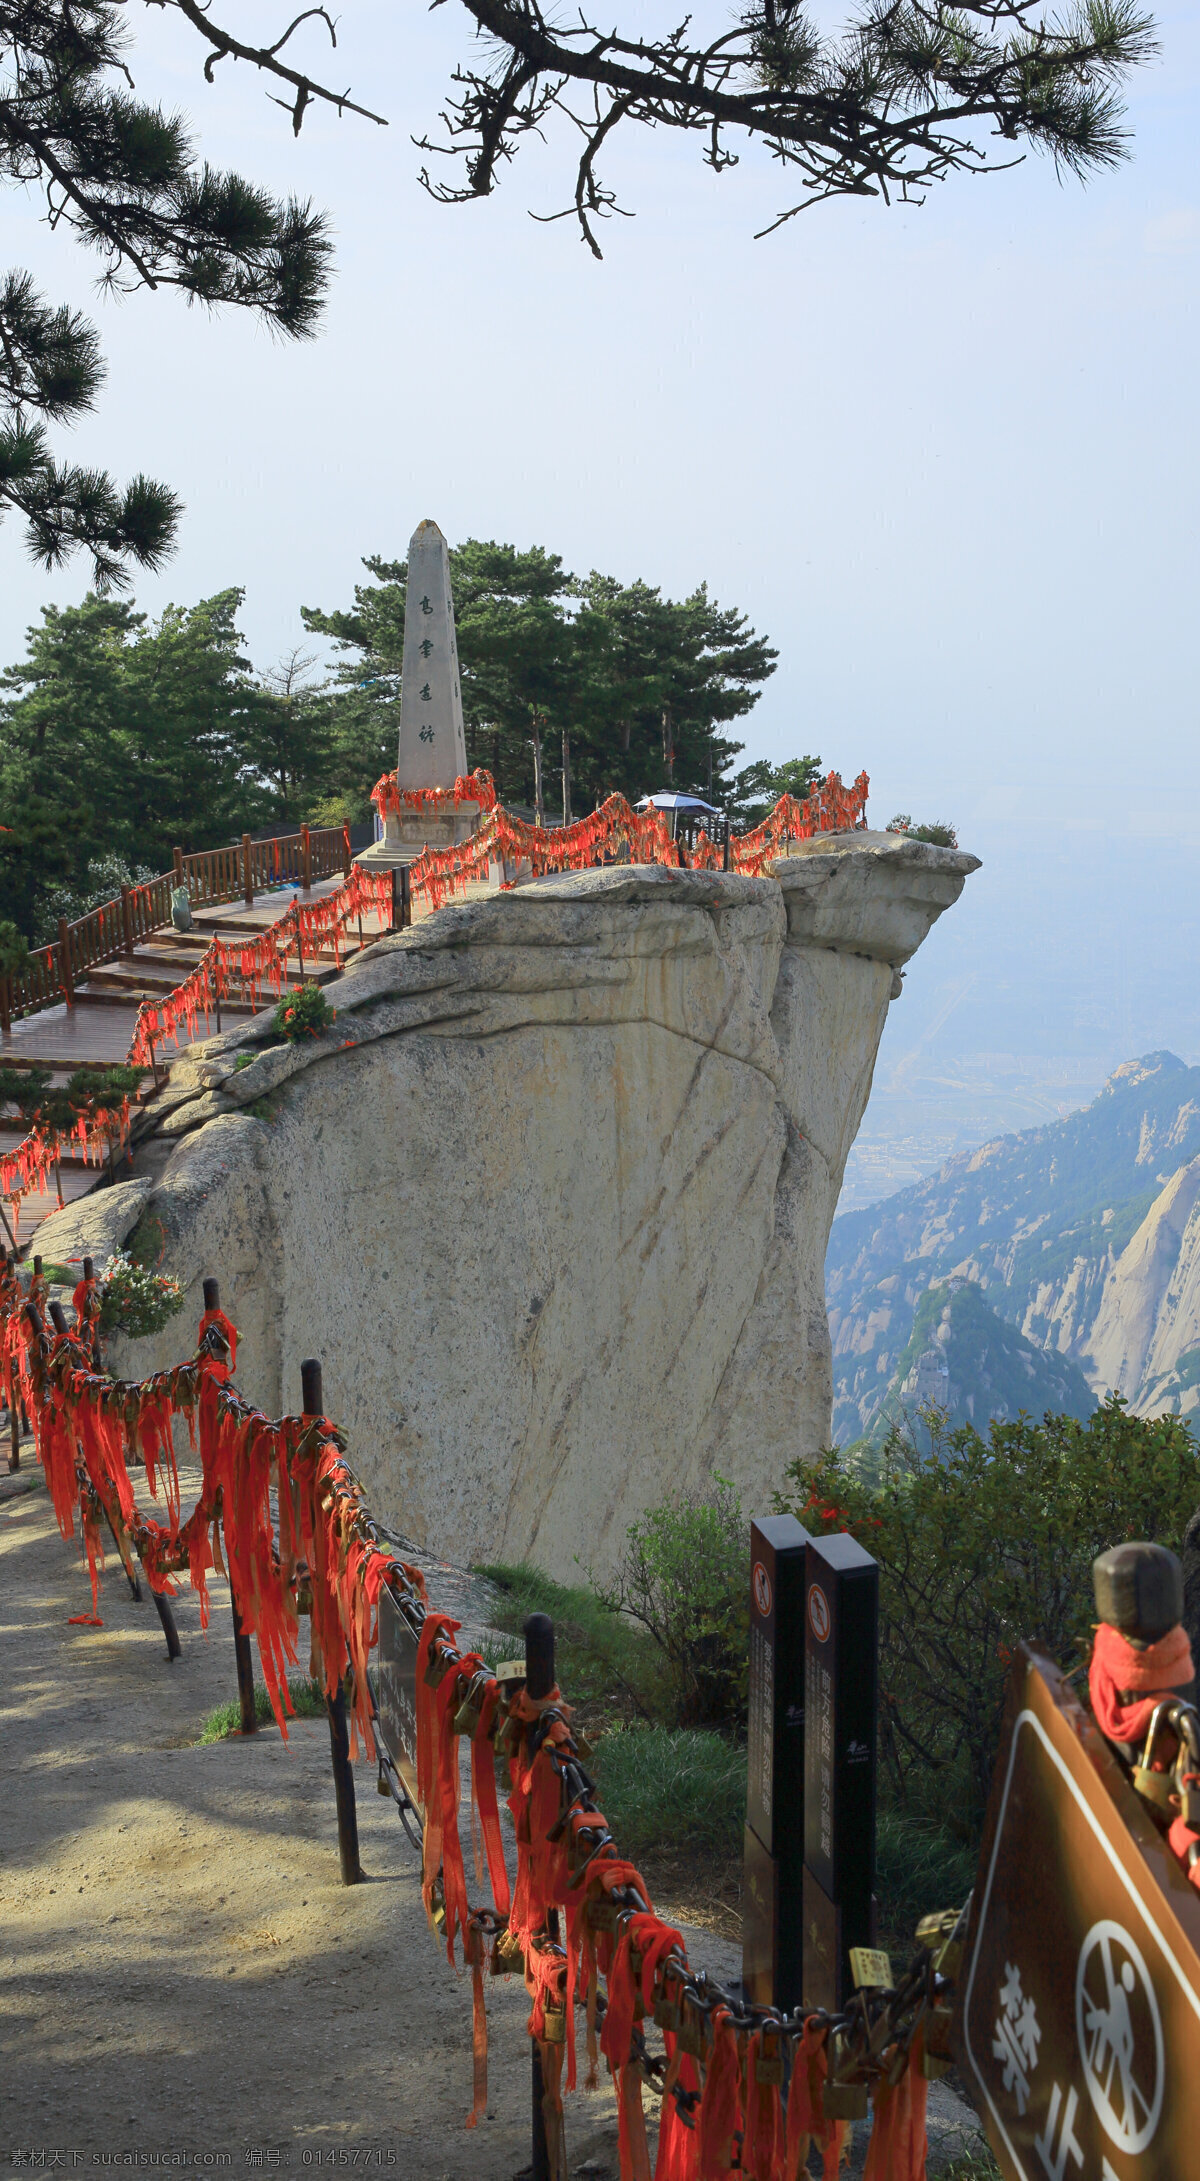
(641, 684)
(125, 178)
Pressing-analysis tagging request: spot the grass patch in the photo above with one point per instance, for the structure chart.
(919, 1867)
(973, 2166)
(664, 1786)
(604, 1665)
(308, 1702)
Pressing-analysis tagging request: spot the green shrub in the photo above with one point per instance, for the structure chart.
(599, 1657)
(308, 1702)
(662, 1787)
(684, 1578)
(937, 834)
(982, 1543)
(303, 1014)
(135, 1300)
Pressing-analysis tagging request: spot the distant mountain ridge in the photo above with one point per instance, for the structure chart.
(1085, 1234)
(963, 1358)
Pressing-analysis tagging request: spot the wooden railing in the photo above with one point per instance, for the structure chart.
(210, 876)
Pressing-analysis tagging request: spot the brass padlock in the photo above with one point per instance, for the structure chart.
(1187, 1798)
(470, 1711)
(510, 1951)
(436, 1668)
(768, 2067)
(691, 2033)
(1154, 1787)
(602, 1915)
(666, 2012)
(555, 2032)
(845, 2101)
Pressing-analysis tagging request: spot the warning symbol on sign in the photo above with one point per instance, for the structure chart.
(818, 1612)
(761, 1585)
(1120, 2036)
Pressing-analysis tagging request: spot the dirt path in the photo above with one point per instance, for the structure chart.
(183, 1978)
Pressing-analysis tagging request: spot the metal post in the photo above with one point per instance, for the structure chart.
(306, 858)
(89, 1273)
(64, 961)
(247, 872)
(335, 1706)
(397, 899)
(539, 1680)
(127, 920)
(169, 1628)
(243, 1656)
(405, 896)
(773, 1886)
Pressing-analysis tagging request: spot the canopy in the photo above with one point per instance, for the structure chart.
(668, 799)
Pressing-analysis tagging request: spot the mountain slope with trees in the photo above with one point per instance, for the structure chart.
(1041, 1221)
(963, 1360)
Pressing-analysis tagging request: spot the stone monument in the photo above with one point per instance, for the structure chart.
(433, 748)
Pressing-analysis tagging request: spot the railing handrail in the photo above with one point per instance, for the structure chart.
(46, 977)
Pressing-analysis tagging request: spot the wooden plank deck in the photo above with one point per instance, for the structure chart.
(69, 1037)
(99, 1027)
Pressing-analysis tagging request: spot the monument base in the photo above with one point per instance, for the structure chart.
(404, 838)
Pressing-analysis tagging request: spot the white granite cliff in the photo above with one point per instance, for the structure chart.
(551, 1200)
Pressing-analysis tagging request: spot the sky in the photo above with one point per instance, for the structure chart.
(944, 456)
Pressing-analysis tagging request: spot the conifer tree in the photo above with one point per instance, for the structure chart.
(125, 178)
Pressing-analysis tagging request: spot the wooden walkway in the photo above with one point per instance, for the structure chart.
(98, 1028)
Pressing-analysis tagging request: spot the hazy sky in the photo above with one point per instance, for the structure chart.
(945, 457)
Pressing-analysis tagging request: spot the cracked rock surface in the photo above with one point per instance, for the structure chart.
(551, 1196)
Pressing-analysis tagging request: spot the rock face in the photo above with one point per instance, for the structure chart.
(551, 1199)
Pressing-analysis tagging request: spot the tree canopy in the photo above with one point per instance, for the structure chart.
(642, 685)
(909, 92)
(125, 178)
(121, 738)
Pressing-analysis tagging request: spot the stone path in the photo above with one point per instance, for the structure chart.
(181, 1971)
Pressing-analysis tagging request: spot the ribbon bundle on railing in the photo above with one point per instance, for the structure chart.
(831, 808)
(393, 801)
(614, 828)
(251, 963)
(97, 1134)
(743, 2089)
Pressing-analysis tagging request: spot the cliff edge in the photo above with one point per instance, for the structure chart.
(551, 1198)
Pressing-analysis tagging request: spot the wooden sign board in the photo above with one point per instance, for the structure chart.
(1079, 2030)
(395, 1676)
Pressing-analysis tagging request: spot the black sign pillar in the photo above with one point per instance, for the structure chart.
(774, 1871)
(841, 1690)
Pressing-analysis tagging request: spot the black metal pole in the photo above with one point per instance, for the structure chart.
(339, 1731)
(243, 1656)
(14, 1409)
(343, 1788)
(244, 1659)
(166, 1616)
(539, 1680)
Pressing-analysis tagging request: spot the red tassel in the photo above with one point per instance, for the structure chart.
(898, 2146)
(763, 2155)
(721, 2104)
